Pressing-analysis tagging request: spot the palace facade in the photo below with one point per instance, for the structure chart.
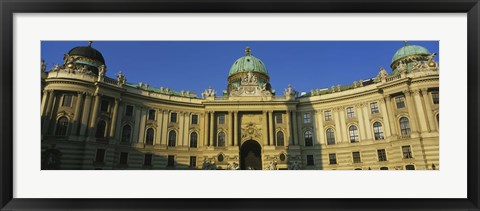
(388, 122)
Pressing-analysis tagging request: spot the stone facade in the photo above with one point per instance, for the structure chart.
(90, 121)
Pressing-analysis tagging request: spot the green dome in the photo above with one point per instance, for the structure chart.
(409, 50)
(248, 63)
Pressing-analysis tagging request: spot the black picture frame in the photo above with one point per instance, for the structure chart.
(10, 7)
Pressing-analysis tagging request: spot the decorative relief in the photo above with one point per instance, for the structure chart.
(251, 131)
(250, 86)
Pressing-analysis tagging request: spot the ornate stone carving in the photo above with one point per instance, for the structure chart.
(143, 85)
(250, 86)
(382, 75)
(121, 79)
(401, 67)
(101, 72)
(208, 93)
(209, 165)
(233, 166)
(250, 131)
(290, 92)
(272, 165)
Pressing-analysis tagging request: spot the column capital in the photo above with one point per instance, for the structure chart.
(387, 97)
(407, 92)
(424, 90)
(416, 92)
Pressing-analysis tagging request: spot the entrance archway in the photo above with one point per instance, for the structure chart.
(251, 155)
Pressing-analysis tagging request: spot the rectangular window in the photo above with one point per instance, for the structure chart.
(407, 152)
(332, 157)
(350, 112)
(310, 160)
(193, 161)
(100, 156)
(151, 114)
(356, 157)
(374, 108)
(328, 115)
(221, 119)
(171, 161)
(129, 110)
(435, 97)
(123, 158)
(67, 101)
(104, 106)
(147, 161)
(194, 119)
(382, 155)
(306, 118)
(400, 101)
(173, 117)
(278, 118)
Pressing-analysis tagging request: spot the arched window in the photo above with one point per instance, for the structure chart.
(221, 139)
(308, 138)
(353, 133)
(378, 131)
(172, 138)
(101, 127)
(149, 137)
(62, 125)
(404, 126)
(330, 136)
(193, 139)
(280, 139)
(126, 134)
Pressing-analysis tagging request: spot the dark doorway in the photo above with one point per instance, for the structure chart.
(251, 156)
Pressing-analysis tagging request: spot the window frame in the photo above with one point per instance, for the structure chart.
(279, 116)
(196, 119)
(382, 157)
(378, 133)
(310, 134)
(173, 117)
(374, 108)
(150, 160)
(123, 132)
(350, 112)
(107, 105)
(126, 110)
(191, 140)
(224, 136)
(277, 139)
(330, 159)
(328, 117)
(194, 162)
(354, 160)
(171, 158)
(353, 134)
(405, 131)
(435, 100)
(409, 153)
(170, 141)
(147, 136)
(312, 159)
(104, 129)
(327, 134)
(221, 119)
(150, 114)
(63, 127)
(71, 100)
(307, 118)
(400, 100)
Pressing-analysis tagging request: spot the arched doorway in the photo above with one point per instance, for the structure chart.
(251, 155)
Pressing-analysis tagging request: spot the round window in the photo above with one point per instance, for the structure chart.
(220, 158)
(283, 157)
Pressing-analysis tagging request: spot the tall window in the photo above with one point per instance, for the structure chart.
(126, 133)
(308, 138)
(404, 126)
(378, 131)
(306, 118)
(172, 138)
(278, 118)
(124, 158)
(129, 110)
(171, 161)
(193, 139)
(151, 114)
(374, 108)
(435, 97)
(310, 161)
(407, 152)
(104, 106)
(193, 161)
(101, 127)
(194, 119)
(100, 156)
(332, 158)
(330, 136)
(382, 155)
(149, 137)
(410, 167)
(400, 101)
(221, 139)
(173, 117)
(62, 126)
(221, 119)
(67, 101)
(147, 161)
(280, 139)
(328, 116)
(356, 157)
(353, 133)
(350, 112)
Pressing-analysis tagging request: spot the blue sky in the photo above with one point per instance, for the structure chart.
(196, 65)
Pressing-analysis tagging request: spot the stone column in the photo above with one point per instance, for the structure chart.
(206, 129)
(428, 107)
(288, 139)
(212, 120)
(77, 113)
(319, 121)
(158, 136)
(141, 130)
(295, 133)
(386, 120)
(420, 111)
(229, 130)
(114, 119)
(235, 128)
(181, 129)
(411, 112)
(265, 129)
(367, 123)
(48, 111)
(45, 97)
(121, 112)
(93, 121)
(343, 125)
(87, 105)
(201, 134)
(361, 122)
(271, 129)
(136, 125)
(164, 140)
(186, 126)
(338, 130)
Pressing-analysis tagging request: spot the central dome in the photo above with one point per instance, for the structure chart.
(409, 50)
(88, 52)
(248, 63)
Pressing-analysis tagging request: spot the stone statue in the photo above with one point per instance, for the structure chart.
(233, 166)
(361, 83)
(101, 72)
(290, 92)
(333, 89)
(355, 84)
(121, 79)
(382, 75)
(338, 88)
(143, 85)
(208, 92)
(209, 165)
(401, 67)
(56, 67)
(272, 165)
(44, 66)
